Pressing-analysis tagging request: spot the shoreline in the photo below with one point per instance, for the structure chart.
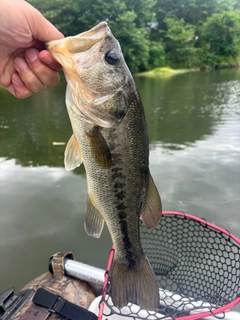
(165, 71)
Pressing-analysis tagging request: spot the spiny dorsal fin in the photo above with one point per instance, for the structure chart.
(152, 209)
(99, 149)
(72, 155)
(94, 222)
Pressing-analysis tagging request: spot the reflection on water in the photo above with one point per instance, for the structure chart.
(194, 129)
(32, 125)
(41, 213)
(184, 109)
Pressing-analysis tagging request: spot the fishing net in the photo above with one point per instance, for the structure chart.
(197, 265)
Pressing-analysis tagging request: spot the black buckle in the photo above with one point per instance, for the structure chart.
(57, 304)
(51, 301)
(46, 299)
(57, 307)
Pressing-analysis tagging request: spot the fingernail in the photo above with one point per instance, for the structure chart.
(20, 64)
(47, 59)
(17, 80)
(31, 54)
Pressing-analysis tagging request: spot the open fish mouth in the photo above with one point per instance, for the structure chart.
(91, 61)
(86, 40)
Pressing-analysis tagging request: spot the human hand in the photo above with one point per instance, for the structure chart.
(25, 67)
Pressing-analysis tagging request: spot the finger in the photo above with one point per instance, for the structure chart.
(18, 88)
(7, 68)
(47, 58)
(44, 73)
(30, 79)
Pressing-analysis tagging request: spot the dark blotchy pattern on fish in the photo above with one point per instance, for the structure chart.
(110, 138)
(118, 182)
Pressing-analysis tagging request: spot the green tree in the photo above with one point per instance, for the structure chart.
(221, 39)
(180, 39)
(67, 16)
(156, 55)
(191, 11)
(180, 33)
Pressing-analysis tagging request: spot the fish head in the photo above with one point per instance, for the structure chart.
(97, 75)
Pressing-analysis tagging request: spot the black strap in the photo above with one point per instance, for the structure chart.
(57, 304)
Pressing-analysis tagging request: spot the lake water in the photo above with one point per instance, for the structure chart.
(194, 130)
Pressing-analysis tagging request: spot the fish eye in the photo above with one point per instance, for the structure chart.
(111, 57)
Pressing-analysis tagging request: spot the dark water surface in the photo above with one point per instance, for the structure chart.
(194, 129)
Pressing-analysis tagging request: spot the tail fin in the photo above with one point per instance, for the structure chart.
(136, 284)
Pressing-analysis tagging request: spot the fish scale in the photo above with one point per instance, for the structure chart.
(110, 139)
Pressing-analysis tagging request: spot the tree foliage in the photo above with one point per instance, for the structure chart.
(153, 33)
(179, 39)
(221, 38)
(194, 12)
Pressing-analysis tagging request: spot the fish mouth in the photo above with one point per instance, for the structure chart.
(79, 43)
(77, 55)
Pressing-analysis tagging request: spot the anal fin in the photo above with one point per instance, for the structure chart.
(152, 209)
(72, 154)
(94, 222)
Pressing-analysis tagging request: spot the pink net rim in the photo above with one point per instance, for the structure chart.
(216, 311)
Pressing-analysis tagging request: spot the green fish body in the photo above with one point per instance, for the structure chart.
(110, 138)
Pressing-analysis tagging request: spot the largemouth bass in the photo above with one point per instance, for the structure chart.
(110, 138)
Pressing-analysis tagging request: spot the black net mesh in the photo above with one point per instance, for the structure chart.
(197, 267)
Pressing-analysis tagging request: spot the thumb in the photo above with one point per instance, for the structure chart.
(40, 27)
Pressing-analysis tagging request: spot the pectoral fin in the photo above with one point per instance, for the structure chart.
(72, 155)
(94, 222)
(152, 210)
(99, 149)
